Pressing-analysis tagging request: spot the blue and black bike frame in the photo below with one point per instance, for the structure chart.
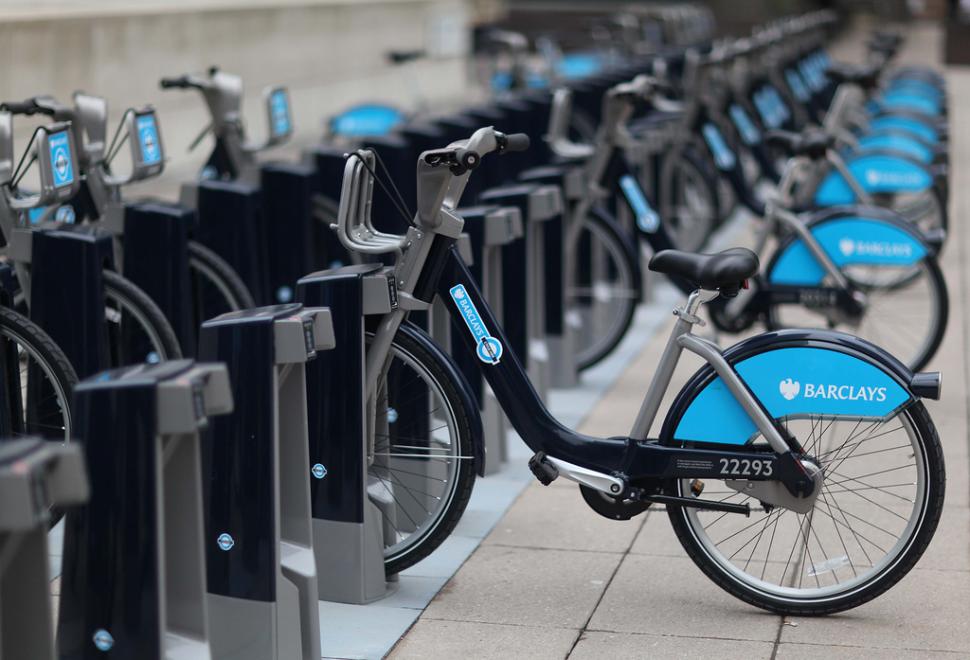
(644, 465)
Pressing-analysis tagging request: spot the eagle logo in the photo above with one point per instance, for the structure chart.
(789, 388)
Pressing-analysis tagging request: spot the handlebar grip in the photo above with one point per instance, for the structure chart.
(28, 107)
(180, 82)
(404, 56)
(516, 142)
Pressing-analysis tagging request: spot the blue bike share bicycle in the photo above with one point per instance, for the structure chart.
(799, 468)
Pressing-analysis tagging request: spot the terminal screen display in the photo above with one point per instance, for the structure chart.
(279, 113)
(149, 145)
(62, 160)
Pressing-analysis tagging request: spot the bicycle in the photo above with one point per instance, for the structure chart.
(217, 288)
(137, 329)
(812, 277)
(777, 421)
(233, 157)
(886, 155)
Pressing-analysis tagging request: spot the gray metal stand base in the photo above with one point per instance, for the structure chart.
(350, 559)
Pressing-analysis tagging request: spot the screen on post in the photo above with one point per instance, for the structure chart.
(150, 147)
(62, 160)
(279, 113)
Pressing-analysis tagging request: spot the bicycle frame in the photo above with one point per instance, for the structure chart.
(635, 455)
(611, 465)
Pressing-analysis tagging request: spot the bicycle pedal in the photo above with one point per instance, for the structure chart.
(543, 470)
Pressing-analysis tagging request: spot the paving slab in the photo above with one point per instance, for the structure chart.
(433, 638)
(558, 518)
(928, 609)
(657, 537)
(670, 596)
(593, 645)
(357, 631)
(527, 586)
(827, 652)
(950, 548)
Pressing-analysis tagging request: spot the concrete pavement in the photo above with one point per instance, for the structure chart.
(554, 580)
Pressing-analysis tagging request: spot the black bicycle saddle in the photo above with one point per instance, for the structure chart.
(725, 269)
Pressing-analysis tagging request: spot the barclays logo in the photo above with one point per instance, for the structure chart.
(790, 389)
(849, 247)
(901, 179)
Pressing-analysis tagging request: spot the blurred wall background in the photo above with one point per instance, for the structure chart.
(330, 53)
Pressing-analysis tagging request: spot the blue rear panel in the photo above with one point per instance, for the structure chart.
(876, 173)
(791, 382)
(366, 121)
(907, 124)
(897, 142)
(847, 241)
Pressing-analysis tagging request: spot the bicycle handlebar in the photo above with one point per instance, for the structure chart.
(513, 142)
(180, 82)
(28, 107)
(404, 56)
(20, 108)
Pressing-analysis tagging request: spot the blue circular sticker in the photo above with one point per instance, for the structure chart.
(225, 542)
(318, 471)
(65, 214)
(391, 415)
(103, 641)
(489, 349)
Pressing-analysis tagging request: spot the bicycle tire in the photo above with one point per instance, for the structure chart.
(55, 368)
(51, 357)
(625, 261)
(940, 297)
(441, 379)
(687, 160)
(145, 313)
(205, 263)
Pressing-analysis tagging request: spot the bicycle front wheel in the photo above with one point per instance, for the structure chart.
(602, 291)
(39, 380)
(877, 510)
(137, 329)
(216, 286)
(422, 468)
(689, 202)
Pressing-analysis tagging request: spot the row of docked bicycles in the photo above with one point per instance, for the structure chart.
(843, 166)
(818, 435)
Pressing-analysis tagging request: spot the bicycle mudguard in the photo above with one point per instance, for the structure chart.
(366, 120)
(850, 236)
(902, 143)
(877, 172)
(464, 389)
(894, 100)
(903, 123)
(794, 374)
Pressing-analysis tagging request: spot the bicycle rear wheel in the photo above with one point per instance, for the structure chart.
(137, 329)
(602, 291)
(877, 510)
(216, 286)
(422, 470)
(906, 313)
